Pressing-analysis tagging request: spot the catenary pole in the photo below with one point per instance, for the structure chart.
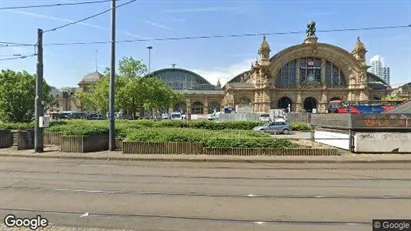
(39, 107)
(112, 141)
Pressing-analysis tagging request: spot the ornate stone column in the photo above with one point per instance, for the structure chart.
(205, 106)
(298, 104)
(297, 73)
(323, 80)
(188, 103)
(324, 102)
(266, 100)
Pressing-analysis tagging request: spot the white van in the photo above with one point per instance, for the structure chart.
(264, 117)
(176, 116)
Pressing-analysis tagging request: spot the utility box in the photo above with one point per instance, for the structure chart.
(44, 121)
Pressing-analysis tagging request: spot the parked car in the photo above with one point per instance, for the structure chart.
(275, 127)
(176, 116)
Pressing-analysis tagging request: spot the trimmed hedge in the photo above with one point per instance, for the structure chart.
(201, 124)
(28, 126)
(78, 130)
(17, 126)
(301, 126)
(210, 138)
(125, 127)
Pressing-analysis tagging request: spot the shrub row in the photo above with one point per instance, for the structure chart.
(301, 126)
(123, 127)
(204, 124)
(210, 138)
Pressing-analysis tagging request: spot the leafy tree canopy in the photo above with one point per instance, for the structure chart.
(17, 95)
(134, 91)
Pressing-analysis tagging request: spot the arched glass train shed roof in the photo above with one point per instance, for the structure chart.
(181, 80)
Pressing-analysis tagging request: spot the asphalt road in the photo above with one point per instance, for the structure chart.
(204, 196)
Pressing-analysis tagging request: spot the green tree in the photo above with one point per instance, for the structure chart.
(17, 94)
(159, 94)
(129, 67)
(134, 91)
(69, 89)
(85, 100)
(98, 97)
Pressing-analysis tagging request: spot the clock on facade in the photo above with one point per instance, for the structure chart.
(311, 77)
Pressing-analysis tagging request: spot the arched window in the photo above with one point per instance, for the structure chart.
(244, 101)
(180, 107)
(310, 71)
(286, 77)
(197, 108)
(284, 103)
(334, 77)
(213, 106)
(310, 103)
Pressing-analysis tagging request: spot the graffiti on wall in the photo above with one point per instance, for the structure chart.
(382, 123)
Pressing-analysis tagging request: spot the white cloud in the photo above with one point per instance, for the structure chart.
(70, 20)
(136, 36)
(159, 25)
(56, 18)
(225, 74)
(209, 9)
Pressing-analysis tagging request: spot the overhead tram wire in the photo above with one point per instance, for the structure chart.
(87, 18)
(7, 44)
(231, 35)
(11, 55)
(54, 5)
(18, 57)
(216, 36)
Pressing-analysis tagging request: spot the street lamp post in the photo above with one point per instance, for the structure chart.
(149, 59)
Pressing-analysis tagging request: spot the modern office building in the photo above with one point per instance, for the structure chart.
(379, 68)
(386, 75)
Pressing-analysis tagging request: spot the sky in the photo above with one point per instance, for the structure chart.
(217, 58)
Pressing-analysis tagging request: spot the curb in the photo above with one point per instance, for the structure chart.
(209, 160)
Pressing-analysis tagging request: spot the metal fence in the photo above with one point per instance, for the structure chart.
(294, 117)
(239, 117)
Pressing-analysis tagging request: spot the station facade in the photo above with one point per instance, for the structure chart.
(302, 77)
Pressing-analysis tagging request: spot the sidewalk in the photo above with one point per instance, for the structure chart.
(117, 155)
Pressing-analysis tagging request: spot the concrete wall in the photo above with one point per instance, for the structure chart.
(382, 142)
(334, 139)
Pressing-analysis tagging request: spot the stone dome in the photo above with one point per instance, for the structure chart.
(91, 78)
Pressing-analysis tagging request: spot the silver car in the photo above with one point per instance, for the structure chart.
(275, 127)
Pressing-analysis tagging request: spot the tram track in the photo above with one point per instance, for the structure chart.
(217, 198)
(206, 166)
(197, 194)
(195, 183)
(365, 178)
